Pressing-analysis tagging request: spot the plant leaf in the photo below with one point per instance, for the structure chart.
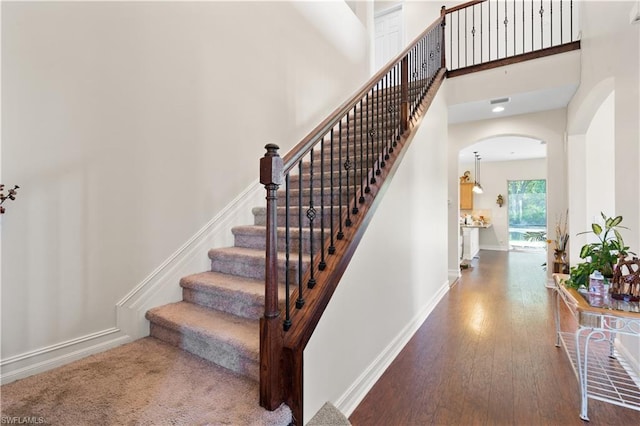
(619, 237)
(616, 221)
(584, 252)
(597, 229)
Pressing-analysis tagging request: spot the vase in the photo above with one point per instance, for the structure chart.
(560, 264)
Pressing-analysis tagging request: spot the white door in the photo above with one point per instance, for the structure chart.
(388, 42)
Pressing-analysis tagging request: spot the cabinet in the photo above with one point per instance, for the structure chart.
(470, 242)
(466, 196)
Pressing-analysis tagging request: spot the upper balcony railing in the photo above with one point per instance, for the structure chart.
(494, 31)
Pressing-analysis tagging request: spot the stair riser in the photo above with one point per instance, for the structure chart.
(252, 268)
(236, 304)
(353, 178)
(218, 352)
(327, 198)
(354, 136)
(260, 217)
(372, 151)
(259, 242)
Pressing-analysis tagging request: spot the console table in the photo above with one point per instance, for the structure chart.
(603, 374)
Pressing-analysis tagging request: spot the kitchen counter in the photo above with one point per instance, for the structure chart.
(486, 225)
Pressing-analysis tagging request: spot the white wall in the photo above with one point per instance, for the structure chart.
(129, 125)
(610, 62)
(600, 152)
(495, 177)
(548, 126)
(395, 278)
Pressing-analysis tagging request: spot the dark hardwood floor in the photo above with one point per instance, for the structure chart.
(486, 356)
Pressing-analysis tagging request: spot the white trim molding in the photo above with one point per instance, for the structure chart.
(348, 402)
(162, 286)
(43, 359)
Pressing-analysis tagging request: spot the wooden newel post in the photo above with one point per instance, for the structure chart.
(271, 177)
(271, 338)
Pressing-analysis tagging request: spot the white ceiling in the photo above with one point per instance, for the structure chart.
(506, 148)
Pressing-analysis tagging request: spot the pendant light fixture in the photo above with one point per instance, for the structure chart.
(477, 188)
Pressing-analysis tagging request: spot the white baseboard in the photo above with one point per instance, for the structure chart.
(43, 359)
(162, 285)
(348, 402)
(494, 248)
(453, 275)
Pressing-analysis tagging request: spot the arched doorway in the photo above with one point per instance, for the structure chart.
(512, 171)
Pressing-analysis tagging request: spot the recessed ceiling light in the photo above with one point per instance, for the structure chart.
(498, 109)
(499, 101)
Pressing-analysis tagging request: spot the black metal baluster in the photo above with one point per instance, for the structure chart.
(391, 93)
(541, 31)
(532, 26)
(458, 15)
(497, 31)
(311, 215)
(481, 38)
(347, 167)
(286, 325)
(340, 230)
(332, 247)
(506, 22)
(369, 135)
(571, 19)
(300, 300)
(381, 162)
(398, 104)
(362, 165)
(355, 166)
(465, 37)
(561, 24)
(473, 36)
(323, 264)
(385, 112)
(450, 39)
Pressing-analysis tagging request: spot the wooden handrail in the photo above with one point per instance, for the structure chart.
(463, 6)
(376, 120)
(304, 146)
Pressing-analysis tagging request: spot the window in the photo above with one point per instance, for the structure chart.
(527, 213)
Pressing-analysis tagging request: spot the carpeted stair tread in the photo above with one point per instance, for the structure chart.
(227, 340)
(253, 236)
(251, 255)
(233, 294)
(250, 263)
(208, 322)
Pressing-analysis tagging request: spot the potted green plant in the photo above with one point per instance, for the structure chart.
(601, 256)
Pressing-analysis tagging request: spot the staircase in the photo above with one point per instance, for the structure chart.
(218, 317)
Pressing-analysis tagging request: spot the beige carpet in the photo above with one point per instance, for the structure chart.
(329, 415)
(146, 382)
